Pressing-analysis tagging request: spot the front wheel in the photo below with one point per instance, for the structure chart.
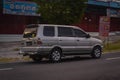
(96, 53)
(55, 55)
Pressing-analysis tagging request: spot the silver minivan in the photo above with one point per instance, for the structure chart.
(56, 41)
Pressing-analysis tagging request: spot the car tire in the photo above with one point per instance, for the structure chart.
(55, 55)
(96, 53)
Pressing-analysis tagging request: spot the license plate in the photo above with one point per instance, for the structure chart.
(28, 43)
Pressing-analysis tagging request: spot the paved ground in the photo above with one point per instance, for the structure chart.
(83, 68)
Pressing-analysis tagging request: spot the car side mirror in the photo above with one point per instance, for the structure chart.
(88, 36)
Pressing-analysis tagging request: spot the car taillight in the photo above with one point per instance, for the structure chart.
(39, 41)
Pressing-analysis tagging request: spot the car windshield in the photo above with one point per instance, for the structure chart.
(30, 32)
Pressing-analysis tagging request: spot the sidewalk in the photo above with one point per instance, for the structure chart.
(9, 50)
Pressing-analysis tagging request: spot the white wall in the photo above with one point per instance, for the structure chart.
(97, 33)
(10, 37)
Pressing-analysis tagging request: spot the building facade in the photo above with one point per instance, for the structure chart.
(14, 15)
(98, 8)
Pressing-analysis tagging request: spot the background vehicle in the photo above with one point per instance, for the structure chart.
(56, 41)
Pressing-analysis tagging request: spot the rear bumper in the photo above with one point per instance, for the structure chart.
(33, 50)
(29, 50)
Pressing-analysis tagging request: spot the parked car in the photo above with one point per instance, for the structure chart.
(56, 41)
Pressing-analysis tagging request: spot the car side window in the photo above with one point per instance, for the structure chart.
(65, 32)
(79, 33)
(49, 31)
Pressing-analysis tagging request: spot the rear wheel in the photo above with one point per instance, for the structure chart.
(55, 55)
(36, 58)
(96, 53)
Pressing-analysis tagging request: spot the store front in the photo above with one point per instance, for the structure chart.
(95, 10)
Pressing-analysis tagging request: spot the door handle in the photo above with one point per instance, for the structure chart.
(78, 40)
(60, 40)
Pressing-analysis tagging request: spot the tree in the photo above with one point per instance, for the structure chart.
(61, 11)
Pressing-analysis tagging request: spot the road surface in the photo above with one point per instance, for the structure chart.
(79, 68)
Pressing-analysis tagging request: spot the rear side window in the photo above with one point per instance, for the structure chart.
(65, 32)
(30, 32)
(49, 31)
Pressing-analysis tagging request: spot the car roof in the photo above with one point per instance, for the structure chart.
(59, 25)
(37, 25)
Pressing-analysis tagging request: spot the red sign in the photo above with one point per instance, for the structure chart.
(104, 26)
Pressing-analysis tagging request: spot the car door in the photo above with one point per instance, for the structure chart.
(66, 40)
(82, 41)
(49, 39)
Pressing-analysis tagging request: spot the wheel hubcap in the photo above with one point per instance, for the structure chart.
(97, 52)
(56, 55)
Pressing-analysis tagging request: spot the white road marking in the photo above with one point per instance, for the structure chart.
(5, 69)
(113, 58)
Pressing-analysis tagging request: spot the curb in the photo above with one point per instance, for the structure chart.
(19, 60)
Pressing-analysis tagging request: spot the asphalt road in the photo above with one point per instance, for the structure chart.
(80, 68)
